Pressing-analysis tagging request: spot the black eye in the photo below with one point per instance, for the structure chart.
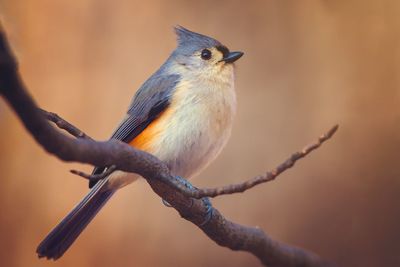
(206, 54)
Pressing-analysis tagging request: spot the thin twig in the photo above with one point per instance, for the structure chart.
(95, 177)
(64, 125)
(269, 176)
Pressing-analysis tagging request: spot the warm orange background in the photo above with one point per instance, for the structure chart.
(307, 65)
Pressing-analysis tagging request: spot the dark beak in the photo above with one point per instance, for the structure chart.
(232, 57)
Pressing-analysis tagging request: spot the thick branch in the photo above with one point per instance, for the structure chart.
(126, 158)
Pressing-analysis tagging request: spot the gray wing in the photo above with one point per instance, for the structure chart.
(150, 100)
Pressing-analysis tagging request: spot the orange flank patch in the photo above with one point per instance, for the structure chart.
(144, 140)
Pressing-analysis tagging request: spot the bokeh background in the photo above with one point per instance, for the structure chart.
(307, 65)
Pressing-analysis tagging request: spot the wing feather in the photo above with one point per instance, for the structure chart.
(151, 99)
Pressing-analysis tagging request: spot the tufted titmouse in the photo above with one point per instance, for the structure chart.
(182, 114)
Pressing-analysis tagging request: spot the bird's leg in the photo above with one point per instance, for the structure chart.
(205, 200)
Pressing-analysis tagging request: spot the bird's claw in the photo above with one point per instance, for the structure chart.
(209, 211)
(185, 182)
(166, 204)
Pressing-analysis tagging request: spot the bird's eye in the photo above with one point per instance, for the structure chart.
(206, 54)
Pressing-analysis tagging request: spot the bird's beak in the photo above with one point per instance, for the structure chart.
(232, 57)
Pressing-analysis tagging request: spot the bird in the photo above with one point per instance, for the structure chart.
(183, 114)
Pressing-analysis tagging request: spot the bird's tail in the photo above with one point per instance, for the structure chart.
(68, 230)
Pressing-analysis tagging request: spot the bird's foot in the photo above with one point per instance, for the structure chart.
(185, 182)
(206, 201)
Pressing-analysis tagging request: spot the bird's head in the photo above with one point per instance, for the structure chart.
(203, 55)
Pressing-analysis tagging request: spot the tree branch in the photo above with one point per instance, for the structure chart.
(206, 192)
(126, 158)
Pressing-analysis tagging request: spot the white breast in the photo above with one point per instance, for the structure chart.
(199, 125)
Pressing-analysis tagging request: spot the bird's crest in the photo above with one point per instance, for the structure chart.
(191, 40)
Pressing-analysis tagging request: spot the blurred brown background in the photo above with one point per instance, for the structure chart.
(307, 65)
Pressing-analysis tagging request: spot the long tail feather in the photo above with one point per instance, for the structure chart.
(68, 230)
